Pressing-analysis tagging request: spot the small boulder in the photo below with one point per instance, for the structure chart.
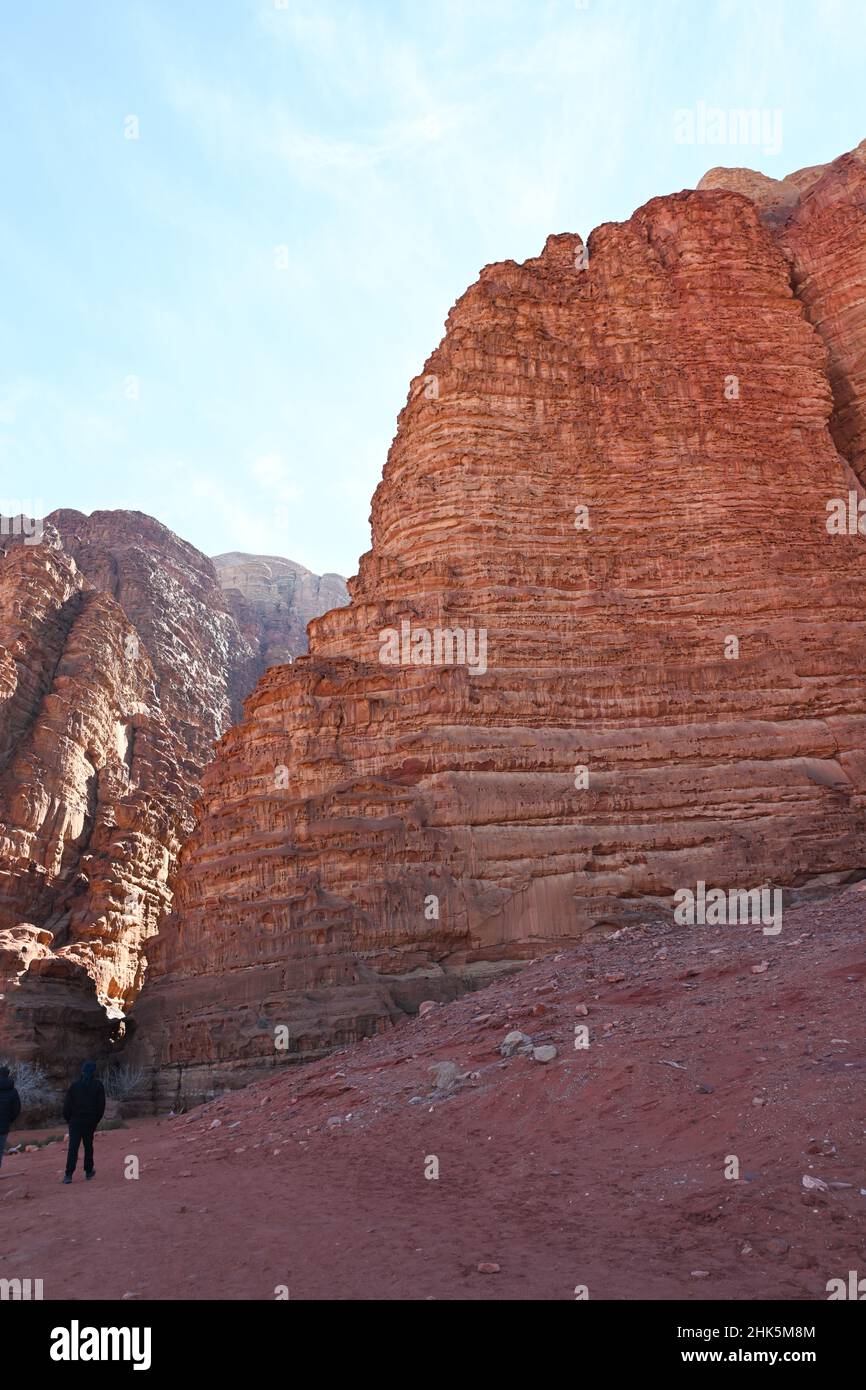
(513, 1041)
(447, 1075)
(814, 1184)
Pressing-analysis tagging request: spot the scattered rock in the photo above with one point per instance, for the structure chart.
(545, 1053)
(447, 1075)
(513, 1041)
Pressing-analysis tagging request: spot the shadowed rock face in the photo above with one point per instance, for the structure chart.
(120, 665)
(273, 599)
(96, 791)
(375, 833)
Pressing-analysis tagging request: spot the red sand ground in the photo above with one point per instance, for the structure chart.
(603, 1168)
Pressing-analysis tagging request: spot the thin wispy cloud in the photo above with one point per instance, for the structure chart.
(312, 188)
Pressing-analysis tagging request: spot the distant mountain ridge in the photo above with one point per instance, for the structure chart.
(272, 599)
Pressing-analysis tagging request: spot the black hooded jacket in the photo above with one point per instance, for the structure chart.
(85, 1102)
(10, 1104)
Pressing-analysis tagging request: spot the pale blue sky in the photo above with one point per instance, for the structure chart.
(392, 149)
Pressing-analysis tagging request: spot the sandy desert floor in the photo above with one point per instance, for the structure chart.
(602, 1168)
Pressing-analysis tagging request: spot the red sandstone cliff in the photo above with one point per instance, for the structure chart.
(95, 795)
(818, 216)
(375, 833)
(273, 599)
(120, 664)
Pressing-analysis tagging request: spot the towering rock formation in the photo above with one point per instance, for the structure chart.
(610, 485)
(95, 795)
(273, 599)
(171, 594)
(818, 217)
(120, 665)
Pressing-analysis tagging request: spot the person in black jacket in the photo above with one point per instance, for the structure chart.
(10, 1106)
(83, 1108)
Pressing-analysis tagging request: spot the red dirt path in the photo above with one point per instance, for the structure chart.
(603, 1168)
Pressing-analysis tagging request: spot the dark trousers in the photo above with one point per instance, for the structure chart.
(3, 1138)
(79, 1131)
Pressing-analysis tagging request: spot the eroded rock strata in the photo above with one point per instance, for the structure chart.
(618, 476)
(95, 794)
(120, 665)
(272, 600)
(818, 217)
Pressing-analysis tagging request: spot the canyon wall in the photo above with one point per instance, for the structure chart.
(612, 477)
(95, 796)
(272, 600)
(120, 665)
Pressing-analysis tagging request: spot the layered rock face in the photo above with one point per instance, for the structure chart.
(95, 794)
(120, 665)
(603, 647)
(818, 217)
(273, 599)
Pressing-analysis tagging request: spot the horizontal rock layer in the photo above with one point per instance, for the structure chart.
(619, 475)
(273, 599)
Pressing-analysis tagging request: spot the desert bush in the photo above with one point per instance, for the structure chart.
(122, 1081)
(30, 1082)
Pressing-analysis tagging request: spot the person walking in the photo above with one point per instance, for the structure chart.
(83, 1108)
(10, 1107)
